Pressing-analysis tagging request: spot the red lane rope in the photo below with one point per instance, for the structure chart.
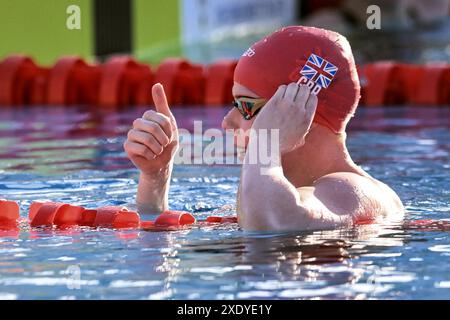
(123, 81)
(63, 215)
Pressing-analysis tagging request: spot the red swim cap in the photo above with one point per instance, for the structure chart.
(320, 58)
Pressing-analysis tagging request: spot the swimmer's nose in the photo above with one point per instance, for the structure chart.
(225, 124)
(228, 121)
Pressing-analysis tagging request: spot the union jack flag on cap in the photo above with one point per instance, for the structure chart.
(319, 70)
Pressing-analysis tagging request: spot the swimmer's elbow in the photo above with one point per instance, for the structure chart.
(257, 218)
(251, 218)
(274, 207)
(294, 218)
(254, 221)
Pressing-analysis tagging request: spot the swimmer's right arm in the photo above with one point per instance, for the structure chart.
(151, 145)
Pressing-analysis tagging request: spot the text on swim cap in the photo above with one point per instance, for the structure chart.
(315, 88)
(249, 53)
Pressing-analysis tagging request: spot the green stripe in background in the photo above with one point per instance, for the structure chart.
(38, 28)
(156, 26)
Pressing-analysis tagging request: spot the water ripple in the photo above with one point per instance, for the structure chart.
(76, 156)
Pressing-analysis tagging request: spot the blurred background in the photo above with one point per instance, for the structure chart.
(413, 31)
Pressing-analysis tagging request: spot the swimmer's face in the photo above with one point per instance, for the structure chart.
(236, 122)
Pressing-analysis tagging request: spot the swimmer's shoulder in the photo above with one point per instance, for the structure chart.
(358, 193)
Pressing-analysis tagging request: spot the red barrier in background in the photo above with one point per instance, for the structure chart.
(72, 81)
(219, 82)
(383, 83)
(16, 73)
(434, 85)
(122, 81)
(38, 87)
(392, 83)
(183, 82)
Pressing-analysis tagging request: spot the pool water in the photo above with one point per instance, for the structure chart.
(75, 155)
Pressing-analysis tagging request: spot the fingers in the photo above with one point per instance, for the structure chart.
(310, 108)
(145, 139)
(153, 129)
(294, 93)
(162, 120)
(161, 105)
(291, 91)
(279, 94)
(302, 95)
(149, 137)
(311, 104)
(137, 149)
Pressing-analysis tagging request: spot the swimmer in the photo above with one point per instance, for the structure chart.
(301, 81)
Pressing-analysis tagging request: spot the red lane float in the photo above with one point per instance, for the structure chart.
(38, 87)
(169, 220)
(45, 214)
(59, 214)
(72, 81)
(218, 219)
(141, 95)
(9, 214)
(434, 89)
(383, 83)
(428, 225)
(174, 218)
(219, 82)
(68, 216)
(16, 74)
(49, 214)
(64, 215)
(116, 217)
(390, 83)
(147, 224)
(183, 81)
(378, 87)
(88, 218)
(124, 82)
(34, 208)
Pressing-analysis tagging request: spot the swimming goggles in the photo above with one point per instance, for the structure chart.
(249, 107)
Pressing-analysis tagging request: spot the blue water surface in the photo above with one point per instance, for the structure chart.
(75, 155)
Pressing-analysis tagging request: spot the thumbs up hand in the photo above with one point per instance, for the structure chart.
(153, 140)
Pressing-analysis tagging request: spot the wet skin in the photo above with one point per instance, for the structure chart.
(316, 186)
